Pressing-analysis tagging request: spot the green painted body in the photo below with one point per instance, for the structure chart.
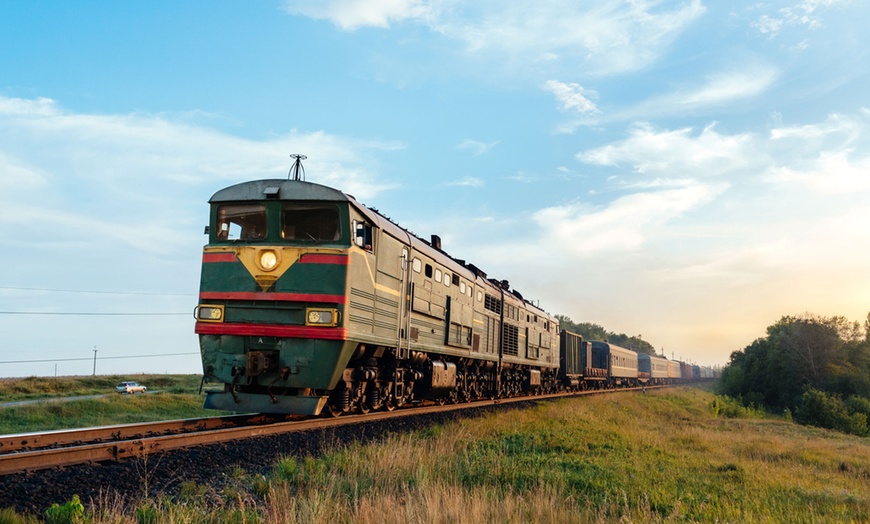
(304, 362)
(312, 363)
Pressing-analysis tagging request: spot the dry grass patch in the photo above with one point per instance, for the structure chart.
(662, 456)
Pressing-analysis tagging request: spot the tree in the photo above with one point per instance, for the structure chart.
(828, 354)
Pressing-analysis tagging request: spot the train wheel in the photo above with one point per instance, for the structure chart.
(334, 410)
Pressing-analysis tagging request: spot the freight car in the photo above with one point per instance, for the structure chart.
(310, 301)
(580, 367)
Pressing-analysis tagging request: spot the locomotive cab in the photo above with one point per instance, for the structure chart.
(271, 318)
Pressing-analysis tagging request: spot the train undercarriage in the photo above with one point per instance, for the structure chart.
(376, 379)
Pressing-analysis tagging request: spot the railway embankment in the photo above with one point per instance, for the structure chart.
(656, 456)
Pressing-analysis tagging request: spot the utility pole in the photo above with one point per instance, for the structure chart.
(95, 361)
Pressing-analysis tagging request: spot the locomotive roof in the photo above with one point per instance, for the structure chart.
(278, 189)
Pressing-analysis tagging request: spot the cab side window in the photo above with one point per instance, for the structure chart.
(363, 236)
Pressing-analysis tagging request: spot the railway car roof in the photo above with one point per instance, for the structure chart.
(613, 348)
(645, 356)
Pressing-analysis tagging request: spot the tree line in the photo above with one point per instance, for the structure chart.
(814, 368)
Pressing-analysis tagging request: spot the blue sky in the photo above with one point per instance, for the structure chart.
(687, 171)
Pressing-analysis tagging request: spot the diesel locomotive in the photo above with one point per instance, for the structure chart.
(311, 302)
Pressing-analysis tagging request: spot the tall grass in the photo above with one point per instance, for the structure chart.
(664, 456)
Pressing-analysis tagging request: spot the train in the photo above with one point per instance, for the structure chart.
(312, 303)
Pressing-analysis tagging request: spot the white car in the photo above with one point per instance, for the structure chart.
(128, 388)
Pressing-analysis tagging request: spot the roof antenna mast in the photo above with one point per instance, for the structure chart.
(297, 171)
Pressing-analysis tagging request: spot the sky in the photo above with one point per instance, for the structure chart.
(687, 171)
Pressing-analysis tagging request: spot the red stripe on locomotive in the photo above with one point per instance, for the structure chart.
(279, 297)
(314, 258)
(271, 330)
(218, 257)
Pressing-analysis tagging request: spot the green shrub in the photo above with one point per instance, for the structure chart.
(857, 404)
(73, 512)
(725, 406)
(147, 514)
(823, 410)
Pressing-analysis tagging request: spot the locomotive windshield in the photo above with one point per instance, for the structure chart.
(241, 222)
(318, 222)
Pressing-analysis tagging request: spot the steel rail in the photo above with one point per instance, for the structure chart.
(141, 445)
(79, 436)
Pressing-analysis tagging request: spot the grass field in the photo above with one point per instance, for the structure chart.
(31, 388)
(664, 456)
(170, 397)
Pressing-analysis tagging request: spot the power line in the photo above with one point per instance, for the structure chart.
(91, 358)
(98, 292)
(89, 313)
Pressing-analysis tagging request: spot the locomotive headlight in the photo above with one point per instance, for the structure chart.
(268, 260)
(321, 317)
(209, 313)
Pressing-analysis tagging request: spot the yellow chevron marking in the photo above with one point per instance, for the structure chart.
(287, 256)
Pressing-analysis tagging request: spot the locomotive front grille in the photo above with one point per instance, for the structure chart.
(260, 313)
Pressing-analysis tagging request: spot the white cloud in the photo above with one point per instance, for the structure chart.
(476, 147)
(622, 225)
(830, 157)
(648, 150)
(837, 125)
(729, 86)
(769, 26)
(804, 14)
(18, 174)
(573, 96)
(142, 151)
(468, 181)
(609, 36)
(354, 14)
(21, 107)
(747, 81)
(831, 172)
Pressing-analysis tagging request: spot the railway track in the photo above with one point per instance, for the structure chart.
(36, 451)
